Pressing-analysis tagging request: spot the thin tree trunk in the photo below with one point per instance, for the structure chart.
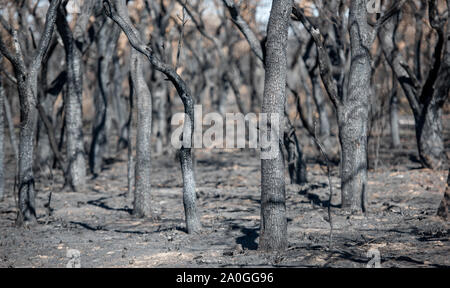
(45, 154)
(2, 139)
(117, 10)
(273, 234)
(296, 165)
(353, 114)
(130, 161)
(393, 112)
(445, 203)
(425, 99)
(430, 137)
(106, 43)
(73, 108)
(11, 130)
(142, 190)
(27, 81)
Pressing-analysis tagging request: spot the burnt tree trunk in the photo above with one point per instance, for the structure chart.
(27, 88)
(290, 138)
(142, 190)
(44, 155)
(425, 99)
(72, 107)
(130, 161)
(2, 139)
(273, 233)
(11, 130)
(393, 113)
(445, 203)
(353, 113)
(106, 44)
(117, 10)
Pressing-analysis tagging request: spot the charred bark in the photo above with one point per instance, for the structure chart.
(141, 204)
(426, 98)
(353, 114)
(72, 107)
(273, 233)
(106, 43)
(2, 140)
(444, 207)
(27, 88)
(117, 10)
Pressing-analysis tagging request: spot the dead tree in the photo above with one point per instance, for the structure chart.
(106, 44)
(2, 139)
(273, 235)
(427, 97)
(143, 97)
(297, 165)
(351, 103)
(117, 11)
(27, 89)
(393, 115)
(445, 203)
(73, 111)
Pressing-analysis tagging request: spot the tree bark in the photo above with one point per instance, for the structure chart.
(106, 43)
(117, 10)
(27, 88)
(142, 190)
(2, 140)
(393, 112)
(273, 233)
(444, 207)
(353, 114)
(73, 107)
(425, 99)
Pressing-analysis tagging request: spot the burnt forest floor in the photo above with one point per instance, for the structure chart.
(400, 222)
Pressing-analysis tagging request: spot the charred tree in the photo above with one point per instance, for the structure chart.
(27, 89)
(72, 107)
(445, 203)
(117, 10)
(351, 101)
(273, 234)
(353, 111)
(295, 155)
(2, 139)
(426, 98)
(143, 97)
(106, 44)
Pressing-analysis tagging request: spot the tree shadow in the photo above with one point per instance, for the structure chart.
(99, 203)
(248, 239)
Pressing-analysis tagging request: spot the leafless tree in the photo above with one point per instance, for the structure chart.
(27, 89)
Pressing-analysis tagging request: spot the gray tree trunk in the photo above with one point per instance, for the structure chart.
(2, 139)
(425, 99)
(444, 207)
(106, 44)
(11, 130)
(73, 107)
(393, 112)
(273, 233)
(27, 88)
(142, 190)
(353, 114)
(130, 161)
(117, 10)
